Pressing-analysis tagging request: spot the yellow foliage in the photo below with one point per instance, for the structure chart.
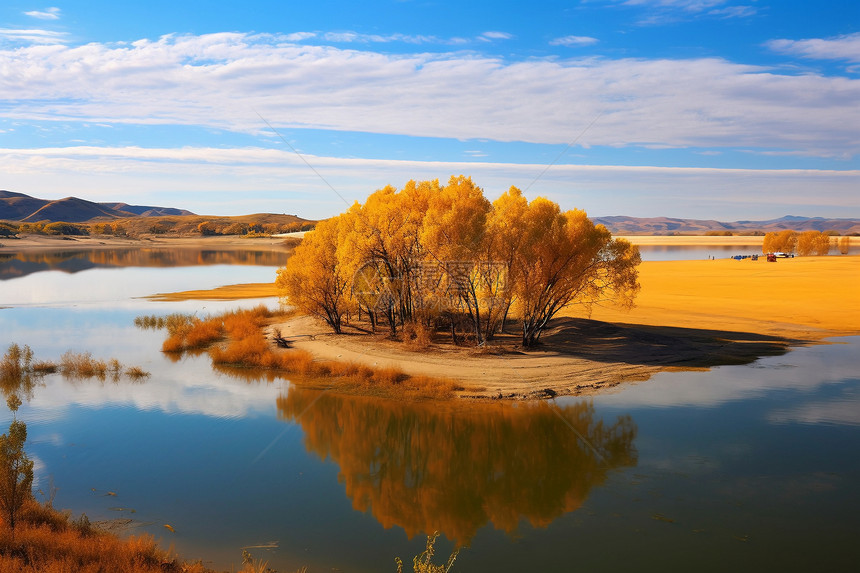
(444, 256)
(813, 243)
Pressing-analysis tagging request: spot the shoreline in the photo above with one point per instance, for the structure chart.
(38, 243)
(689, 315)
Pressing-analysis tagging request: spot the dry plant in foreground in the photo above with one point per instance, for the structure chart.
(423, 563)
(236, 339)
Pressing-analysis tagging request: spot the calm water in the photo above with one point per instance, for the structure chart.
(746, 468)
(693, 253)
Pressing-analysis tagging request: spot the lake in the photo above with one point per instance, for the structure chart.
(746, 468)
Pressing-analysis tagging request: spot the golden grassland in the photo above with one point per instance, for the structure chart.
(804, 297)
(226, 292)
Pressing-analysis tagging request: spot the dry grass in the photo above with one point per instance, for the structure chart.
(187, 332)
(242, 344)
(417, 336)
(76, 365)
(82, 365)
(46, 541)
(136, 373)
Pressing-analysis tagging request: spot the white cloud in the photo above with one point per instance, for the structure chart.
(734, 12)
(46, 14)
(842, 411)
(845, 47)
(669, 11)
(219, 80)
(804, 371)
(284, 183)
(31, 36)
(574, 41)
(355, 37)
(491, 36)
(686, 5)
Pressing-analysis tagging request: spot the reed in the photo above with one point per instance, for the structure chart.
(76, 365)
(235, 339)
(47, 541)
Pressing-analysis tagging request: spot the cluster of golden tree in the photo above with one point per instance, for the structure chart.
(804, 244)
(430, 256)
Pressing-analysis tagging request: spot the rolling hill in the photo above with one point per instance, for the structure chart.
(26, 209)
(669, 226)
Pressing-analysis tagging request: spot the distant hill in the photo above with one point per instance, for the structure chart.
(23, 208)
(668, 226)
(146, 211)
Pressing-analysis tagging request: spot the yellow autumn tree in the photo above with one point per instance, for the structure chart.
(813, 242)
(565, 259)
(315, 280)
(385, 251)
(445, 257)
(781, 242)
(453, 234)
(506, 232)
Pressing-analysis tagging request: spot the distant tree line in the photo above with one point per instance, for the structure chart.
(431, 257)
(156, 226)
(805, 243)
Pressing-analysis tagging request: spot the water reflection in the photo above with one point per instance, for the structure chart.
(14, 265)
(456, 469)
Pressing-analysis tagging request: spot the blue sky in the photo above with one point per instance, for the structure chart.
(708, 109)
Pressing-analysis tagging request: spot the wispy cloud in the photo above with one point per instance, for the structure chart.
(670, 11)
(46, 14)
(734, 12)
(31, 36)
(845, 47)
(600, 189)
(355, 37)
(685, 5)
(492, 36)
(574, 41)
(352, 37)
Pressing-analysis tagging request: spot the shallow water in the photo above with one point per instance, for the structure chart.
(742, 467)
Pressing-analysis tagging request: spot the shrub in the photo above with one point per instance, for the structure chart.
(60, 228)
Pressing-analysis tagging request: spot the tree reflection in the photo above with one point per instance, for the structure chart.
(455, 468)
